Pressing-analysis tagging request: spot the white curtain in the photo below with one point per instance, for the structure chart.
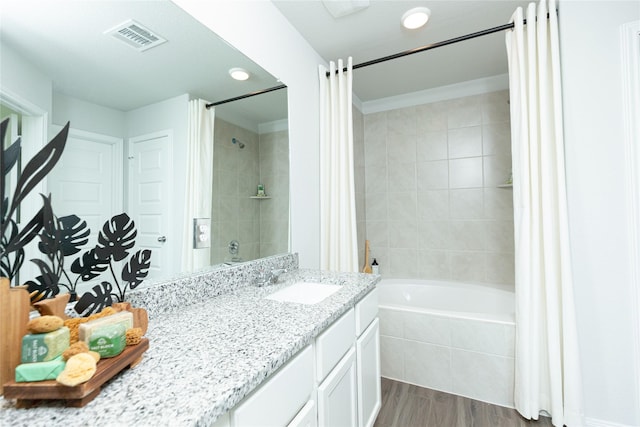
(338, 238)
(198, 191)
(546, 361)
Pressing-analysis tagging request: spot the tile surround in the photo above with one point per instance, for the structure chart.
(258, 225)
(468, 357)
(432, 206)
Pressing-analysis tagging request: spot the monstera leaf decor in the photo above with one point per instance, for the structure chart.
(60, 237)
(63, 237)
(115, 242)
(12, 239)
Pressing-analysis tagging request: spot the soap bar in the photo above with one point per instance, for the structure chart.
(86, 330)
(109, 340)
(44, 347)
(39, 371)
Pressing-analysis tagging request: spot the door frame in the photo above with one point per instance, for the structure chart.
(630, 46)
(35, 122)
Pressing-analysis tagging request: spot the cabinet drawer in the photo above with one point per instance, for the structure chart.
(333, 343)
(366, 311)
(278, 401)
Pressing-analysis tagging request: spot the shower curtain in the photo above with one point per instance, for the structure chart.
(546, 362)
(198, 191)
(338, 237)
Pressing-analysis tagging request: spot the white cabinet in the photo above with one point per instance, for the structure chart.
(278, 401)
(333, 383)
(333, 343)
(337, 395)
(368, 362)
(366, 311)
(306, 417)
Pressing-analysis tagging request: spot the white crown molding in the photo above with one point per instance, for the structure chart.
(275, 126)
(356, 102)
(442, 93)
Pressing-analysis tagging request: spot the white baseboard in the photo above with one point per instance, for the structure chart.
(594, 422)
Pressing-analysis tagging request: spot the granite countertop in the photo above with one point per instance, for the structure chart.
(204, 359)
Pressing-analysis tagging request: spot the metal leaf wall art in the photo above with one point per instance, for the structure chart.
(60, 237)
(63, 237)
(12, 239)
(115, 242)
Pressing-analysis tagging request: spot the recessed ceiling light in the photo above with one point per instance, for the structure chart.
(415, 18)
(239, 73)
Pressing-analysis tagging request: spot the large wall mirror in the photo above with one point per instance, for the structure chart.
(126, 98)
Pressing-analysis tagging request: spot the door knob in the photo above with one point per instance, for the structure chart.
(162, 239)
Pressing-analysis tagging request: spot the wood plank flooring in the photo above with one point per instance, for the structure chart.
(406, 405)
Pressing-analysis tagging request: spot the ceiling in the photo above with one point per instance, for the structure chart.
(65, 40)
(375, 32)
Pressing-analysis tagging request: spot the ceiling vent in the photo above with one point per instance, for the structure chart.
(340, 8)
(136, 35)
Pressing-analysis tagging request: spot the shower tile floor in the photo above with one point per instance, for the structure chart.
(406, 405)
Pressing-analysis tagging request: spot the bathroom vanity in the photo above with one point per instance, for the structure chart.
(223, 353)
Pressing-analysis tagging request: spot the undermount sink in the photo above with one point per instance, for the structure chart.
(304, 293)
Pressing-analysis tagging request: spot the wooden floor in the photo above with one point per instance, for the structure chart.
(406, 405)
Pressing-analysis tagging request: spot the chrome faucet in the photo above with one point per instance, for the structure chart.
(270, 277)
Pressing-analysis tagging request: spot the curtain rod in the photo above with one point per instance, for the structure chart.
(248, 95)
(390, 57)
(432, 46)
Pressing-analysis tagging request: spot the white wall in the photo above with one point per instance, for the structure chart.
(87, 116)
(21, 79)
(259, 30)
(595, 159)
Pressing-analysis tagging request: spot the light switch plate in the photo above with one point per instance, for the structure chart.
(201, 233)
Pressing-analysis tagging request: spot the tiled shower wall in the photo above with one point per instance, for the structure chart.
(274, 174)
(260, 226)
(433, 206)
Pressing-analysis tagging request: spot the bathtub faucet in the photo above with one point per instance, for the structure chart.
(270, 277)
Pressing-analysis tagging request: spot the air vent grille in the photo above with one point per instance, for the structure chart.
(136, 35)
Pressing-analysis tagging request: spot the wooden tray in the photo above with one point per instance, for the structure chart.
(28, 394)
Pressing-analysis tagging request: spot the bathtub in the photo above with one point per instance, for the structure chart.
(449, 336)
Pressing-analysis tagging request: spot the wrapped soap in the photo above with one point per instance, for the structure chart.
(85, 330)
(44, 347)
(39, 371)
(108, 340)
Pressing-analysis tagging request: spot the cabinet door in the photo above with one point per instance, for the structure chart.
(337, 395)
(307, 416)
(368, 358)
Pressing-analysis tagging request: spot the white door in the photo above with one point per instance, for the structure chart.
(150, 173)
(337, 395)
(87, 182)
(368, 362)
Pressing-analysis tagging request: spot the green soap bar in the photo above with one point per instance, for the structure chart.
(108, 340)
(40, 371)
(44, 347)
